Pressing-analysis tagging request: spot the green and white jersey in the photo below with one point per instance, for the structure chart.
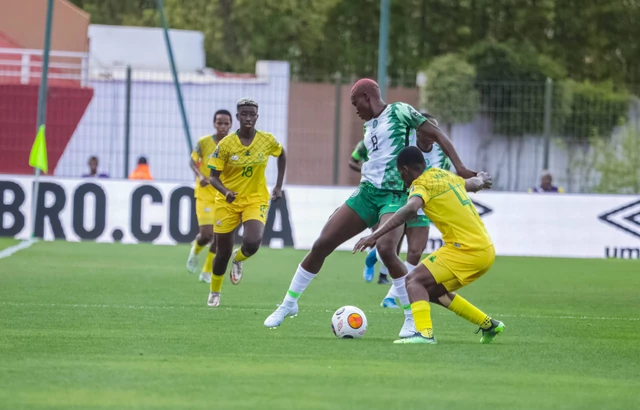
(384, 137)
(436, 158)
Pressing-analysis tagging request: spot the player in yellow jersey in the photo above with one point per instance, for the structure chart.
(238, 167)
(468, 252)
(205, 194)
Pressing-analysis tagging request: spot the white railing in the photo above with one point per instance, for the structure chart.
(78, 71)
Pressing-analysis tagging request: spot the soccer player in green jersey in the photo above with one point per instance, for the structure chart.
(388, 129)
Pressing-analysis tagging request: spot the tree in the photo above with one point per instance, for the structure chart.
(618, 163)
(511, 80)
(450, 90)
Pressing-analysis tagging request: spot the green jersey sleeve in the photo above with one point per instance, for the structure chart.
(360, 152)
(409, 116)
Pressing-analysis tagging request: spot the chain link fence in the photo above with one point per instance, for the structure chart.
(512, 130)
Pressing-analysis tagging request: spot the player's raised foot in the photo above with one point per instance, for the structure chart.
(192, 262)
(214, 299)
(276, 318)
(383, 279)
(488, 335)
(409, 327)
(369, 273)
(415, 339)
(389, 303)
(205, 277)
(236, 268)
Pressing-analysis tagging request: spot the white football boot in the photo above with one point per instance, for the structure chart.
(408, 328)
(214, 299)
(192, 262)
(236, 269)
(276, 318)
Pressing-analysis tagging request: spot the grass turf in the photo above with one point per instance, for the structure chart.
(85, 325)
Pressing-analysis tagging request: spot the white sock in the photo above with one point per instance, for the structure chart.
(383, 269)
(391, 293)
(409, 266)
(299, 283)
(402, 295)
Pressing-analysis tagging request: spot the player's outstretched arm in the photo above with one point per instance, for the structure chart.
(429, 133)
(214, 180)
(403, 215)
(282, 167)
(482, 181)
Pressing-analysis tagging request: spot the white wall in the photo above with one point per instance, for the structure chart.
(144, 48)
(156, 124)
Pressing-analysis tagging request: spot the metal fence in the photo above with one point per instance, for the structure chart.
(513, 130)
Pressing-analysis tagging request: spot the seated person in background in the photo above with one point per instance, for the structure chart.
(142, 170)
(546, 185)
(93, 169)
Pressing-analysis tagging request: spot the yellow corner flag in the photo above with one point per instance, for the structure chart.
(38, 157)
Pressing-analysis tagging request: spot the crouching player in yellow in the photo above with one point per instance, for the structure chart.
(468, 252)
(205, 194)
(238, 167)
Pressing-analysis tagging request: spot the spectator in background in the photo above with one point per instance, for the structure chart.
(142, 170)
(546, 185)
(93, 169)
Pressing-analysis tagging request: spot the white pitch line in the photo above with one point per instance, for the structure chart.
(135, 307)
(5, 253)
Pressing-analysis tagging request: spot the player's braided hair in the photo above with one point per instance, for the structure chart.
(411, 157)
(247, 102)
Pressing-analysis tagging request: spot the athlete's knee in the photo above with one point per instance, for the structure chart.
(206, 236)
(323, 246)
(251, 245)
(413, 256)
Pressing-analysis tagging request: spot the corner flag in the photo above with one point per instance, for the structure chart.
(38, 157)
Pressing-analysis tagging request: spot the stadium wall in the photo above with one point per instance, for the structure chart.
(164, 213)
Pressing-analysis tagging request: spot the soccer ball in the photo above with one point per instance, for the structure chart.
(349, 322)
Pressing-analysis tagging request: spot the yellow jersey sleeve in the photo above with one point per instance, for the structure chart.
(275, 147)
(195, 154)
(218, 158)
(421, 191)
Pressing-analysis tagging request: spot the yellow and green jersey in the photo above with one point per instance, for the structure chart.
(448, 206)
(243, 167)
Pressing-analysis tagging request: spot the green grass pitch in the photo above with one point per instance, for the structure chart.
(109, 326)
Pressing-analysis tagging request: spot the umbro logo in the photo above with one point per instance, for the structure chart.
(483, 210)
(626, 218)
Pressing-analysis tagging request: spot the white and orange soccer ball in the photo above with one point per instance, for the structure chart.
(349, 322)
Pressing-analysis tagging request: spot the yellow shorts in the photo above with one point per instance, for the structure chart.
(229, 216)
(455, 268)
(204, 212)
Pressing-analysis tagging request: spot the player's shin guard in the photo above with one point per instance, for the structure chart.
(240, 257)
(216, 283)
(422, 316)
(197, 248)
(208, 264)
(400, 290)
(299, 283)
(461, 307)
(409, 266)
